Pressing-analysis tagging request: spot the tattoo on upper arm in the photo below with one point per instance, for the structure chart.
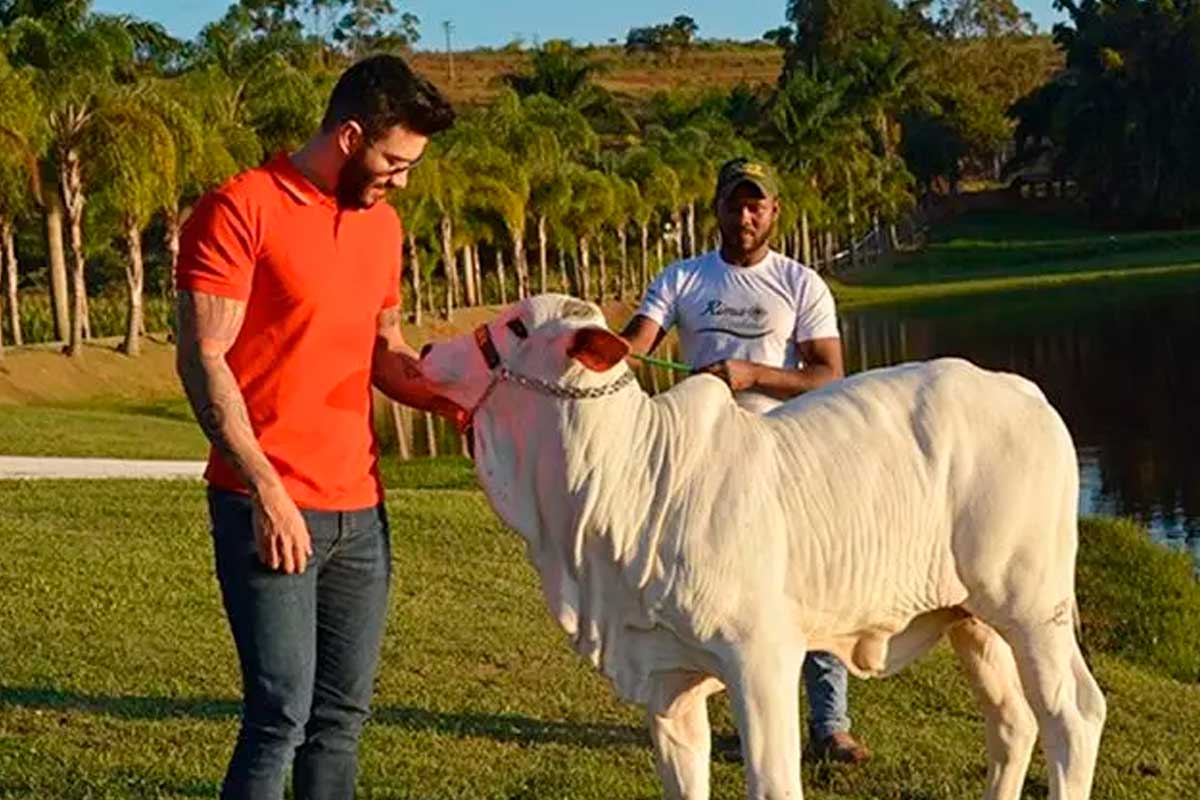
(209, 320)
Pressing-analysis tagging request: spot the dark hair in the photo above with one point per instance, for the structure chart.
(382, 92)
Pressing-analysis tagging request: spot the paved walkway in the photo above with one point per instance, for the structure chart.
(20, 467)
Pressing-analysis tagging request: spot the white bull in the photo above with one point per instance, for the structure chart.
(688, 546)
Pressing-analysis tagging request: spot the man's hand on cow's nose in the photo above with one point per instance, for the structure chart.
(282, 536)
(740, 375)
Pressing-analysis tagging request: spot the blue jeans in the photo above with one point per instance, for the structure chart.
(308, 645)
(825, 682)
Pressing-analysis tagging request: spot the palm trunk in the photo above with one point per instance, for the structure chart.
(677, 221)
(3, 260)
(430, 435)
(71, 182)
(12, 272)
(850, 217)
(542, 249)
(134, 279)
(691, 230)
(565, 284)
(500, 277)
(644, 279)
(659, 244)
(623, 242)
(447, 230)
(469, 274)
(602, 289)
(477, 274)
(414, 269)
(805, 239)
(402, 434)
(174, 220)
(585, 269)
(519, 266)
(57, 259)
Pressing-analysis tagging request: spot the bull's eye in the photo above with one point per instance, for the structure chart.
(518, 328)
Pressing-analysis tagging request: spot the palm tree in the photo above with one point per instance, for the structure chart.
(442, 179)
(504, 159)
(658, 192)
(265, 74)
(812, 130)
(419, 213)
(19, 173)
(573, 140)
(207, 149)
(690, 154)
(592, 204)
(133, 149)
(76, 57)
(550, 197)
(627, 202)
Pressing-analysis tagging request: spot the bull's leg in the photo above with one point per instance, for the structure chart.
(1069, 706)
(763, 684)
(683, 743)
(1010, 724)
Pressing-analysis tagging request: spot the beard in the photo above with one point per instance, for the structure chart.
(355, 183)
(743, 241)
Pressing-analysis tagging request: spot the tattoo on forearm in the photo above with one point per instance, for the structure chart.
(397, 371)
(208, 327)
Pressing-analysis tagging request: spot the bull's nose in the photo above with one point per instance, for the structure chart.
(425, 350)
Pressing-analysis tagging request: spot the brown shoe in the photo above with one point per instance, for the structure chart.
(840, 748)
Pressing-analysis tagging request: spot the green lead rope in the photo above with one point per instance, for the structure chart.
(659, 362)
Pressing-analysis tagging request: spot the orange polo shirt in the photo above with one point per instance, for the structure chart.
(314, 278)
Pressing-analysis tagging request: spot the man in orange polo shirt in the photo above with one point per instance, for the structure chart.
(288, 314)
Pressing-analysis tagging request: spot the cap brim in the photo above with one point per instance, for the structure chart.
(723, 193)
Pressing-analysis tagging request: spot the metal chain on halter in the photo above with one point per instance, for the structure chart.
(566, 392)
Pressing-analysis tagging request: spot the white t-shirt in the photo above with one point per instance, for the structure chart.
(755, 313)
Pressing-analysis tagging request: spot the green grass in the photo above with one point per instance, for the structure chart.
(1011, 250)
(117, 429)
(1139, 600)
(118, 678)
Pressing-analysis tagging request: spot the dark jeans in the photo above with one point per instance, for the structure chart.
(308, 646)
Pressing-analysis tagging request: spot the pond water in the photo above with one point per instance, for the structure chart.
(1117, 360)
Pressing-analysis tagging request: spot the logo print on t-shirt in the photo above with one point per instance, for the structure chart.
(735, 314)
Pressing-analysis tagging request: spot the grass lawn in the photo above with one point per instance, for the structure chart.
(1006, 250)
(118, 678)
(109, 429)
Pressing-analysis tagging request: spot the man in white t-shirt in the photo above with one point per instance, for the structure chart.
(766, 325)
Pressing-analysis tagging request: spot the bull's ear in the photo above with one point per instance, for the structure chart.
(598, 349)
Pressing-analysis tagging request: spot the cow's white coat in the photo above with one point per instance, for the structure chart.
(686, 545)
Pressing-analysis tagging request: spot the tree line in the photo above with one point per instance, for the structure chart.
(113, 129)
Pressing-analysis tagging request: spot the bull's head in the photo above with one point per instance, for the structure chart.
(517, 377)
(553, 339)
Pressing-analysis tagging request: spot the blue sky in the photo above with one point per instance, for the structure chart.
(495, 22)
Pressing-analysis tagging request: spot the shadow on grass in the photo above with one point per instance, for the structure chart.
(498, 727)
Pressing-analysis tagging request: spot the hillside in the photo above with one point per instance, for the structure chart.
(713, 65)
(707, 66)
